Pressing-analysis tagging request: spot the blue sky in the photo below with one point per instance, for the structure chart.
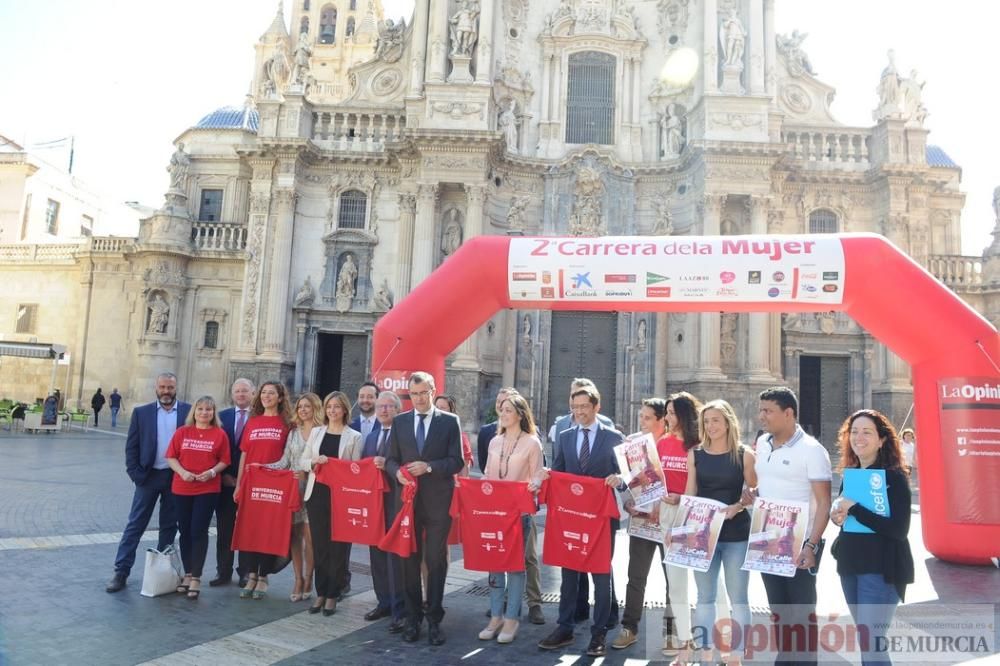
(126, 77)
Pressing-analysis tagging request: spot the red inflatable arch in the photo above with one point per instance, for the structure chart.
(950, 347)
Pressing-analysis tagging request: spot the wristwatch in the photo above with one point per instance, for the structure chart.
(810, 545)
(429, 469)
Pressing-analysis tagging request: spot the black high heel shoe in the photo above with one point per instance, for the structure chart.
(318, 606)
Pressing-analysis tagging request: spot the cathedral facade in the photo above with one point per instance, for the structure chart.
(370, 150)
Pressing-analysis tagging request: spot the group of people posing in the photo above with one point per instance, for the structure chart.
(193, 460)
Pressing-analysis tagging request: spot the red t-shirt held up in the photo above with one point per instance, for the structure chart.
(578, 523)
(267, 500)
(357, 507)
(674, 460)
(263, 439)
(198, 450)
(492, 538)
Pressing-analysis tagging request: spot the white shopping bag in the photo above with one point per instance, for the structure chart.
(163, 572)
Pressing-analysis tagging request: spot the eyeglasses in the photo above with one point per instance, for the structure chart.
(420, 394)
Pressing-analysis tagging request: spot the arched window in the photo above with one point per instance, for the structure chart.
(211, 335)
(350, 27)
(590, 98)
(328, 25)
(822, 222)
(353, 206)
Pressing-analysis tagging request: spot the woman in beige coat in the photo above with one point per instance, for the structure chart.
(330, 558)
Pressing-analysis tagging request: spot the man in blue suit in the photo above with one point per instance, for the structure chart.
(233, 420)
(149, 433)
(387, 573)
(586, 450)
(366, 420)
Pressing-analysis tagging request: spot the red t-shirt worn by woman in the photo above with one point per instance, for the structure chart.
(673, 458)
(263, 439)
(197, 450)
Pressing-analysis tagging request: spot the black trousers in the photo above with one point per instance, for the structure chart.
(225, 523)
(792, 601)
(330, 558)
(432, 548)
(640, 558)
(194, 513)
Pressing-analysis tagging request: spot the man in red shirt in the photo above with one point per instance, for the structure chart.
(586, 450)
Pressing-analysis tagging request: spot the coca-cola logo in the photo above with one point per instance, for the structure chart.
(356, 468)
(576, 489)
(487, 488)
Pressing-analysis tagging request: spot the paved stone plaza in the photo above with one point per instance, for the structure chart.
(64, 499)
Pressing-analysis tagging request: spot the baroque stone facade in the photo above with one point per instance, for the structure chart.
(361, 162)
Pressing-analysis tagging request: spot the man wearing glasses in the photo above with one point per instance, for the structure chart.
(426, 443)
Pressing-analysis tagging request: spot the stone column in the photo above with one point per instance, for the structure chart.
(281, 262)
(756, 37)
(709, 323)
(300, 355)
(770, 49)
(484, 45)
(467, 355)
(419, 41)
(437, 42)
(710, 61)
(404, 243)
(760, 326)
(423, 233)
(661, 349)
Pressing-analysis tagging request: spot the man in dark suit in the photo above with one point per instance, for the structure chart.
(149, 433)
(586, 450)
(428, 443)
(387, 573)
(233, 419)
(366, 420)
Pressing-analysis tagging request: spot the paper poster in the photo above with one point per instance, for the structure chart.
(867, 488)
(692, 269)
(777, 532)
(639, 464)
(652, 525)
(695, 532)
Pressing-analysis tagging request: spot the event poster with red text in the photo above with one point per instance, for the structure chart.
(686, 269)
(970, 446)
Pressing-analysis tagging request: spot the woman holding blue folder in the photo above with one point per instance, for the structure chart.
(872, 551)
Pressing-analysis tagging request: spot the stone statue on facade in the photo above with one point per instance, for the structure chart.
(305, 295)
(996, 204)
(791, 47)
(451, 237)
(300, 70)
(663, 224)
(888, 90)
(180, 164)
(515, 214)
(733, 38)
(389, 47)
(671, 134)
(275, 72)
(464, 28)
(383, 297)
(910, 91)
(585, 219)
(159, 315)
(508, 125)
(346, 284)
(640, 335)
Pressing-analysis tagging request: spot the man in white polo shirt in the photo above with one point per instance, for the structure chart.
(791, 465)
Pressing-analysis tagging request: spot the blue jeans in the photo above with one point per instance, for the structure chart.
(156, 487)
(509, 586)
(729, 555)
(872, 602)
(114, 417)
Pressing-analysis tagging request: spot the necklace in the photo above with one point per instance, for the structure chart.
(505, 456)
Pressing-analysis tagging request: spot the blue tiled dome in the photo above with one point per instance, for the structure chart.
(937, 157)
(231, 117)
